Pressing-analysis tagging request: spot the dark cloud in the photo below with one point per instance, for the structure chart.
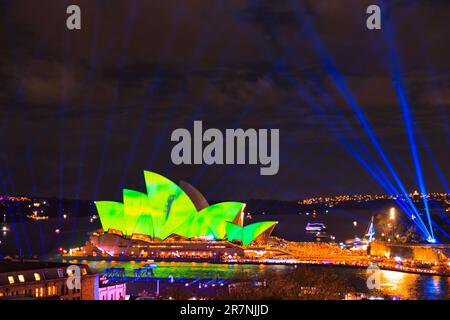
(88, 110)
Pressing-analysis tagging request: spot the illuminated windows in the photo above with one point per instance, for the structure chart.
(37, 276)
(39, 292)
(51, 290)
(11, 279)
(21, 278)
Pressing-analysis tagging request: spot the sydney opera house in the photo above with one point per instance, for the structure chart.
(173, 221)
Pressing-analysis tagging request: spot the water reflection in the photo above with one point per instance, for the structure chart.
(393, 283)
(30, 238)
(399, 284)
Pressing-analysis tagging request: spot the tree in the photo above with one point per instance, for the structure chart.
(178, 293)
(299, 284)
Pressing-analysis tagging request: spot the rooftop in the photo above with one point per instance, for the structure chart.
(17, 265)
(14, 272)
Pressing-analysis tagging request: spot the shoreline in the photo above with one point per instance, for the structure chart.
(299, 263)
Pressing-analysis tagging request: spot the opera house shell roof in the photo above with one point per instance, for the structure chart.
(168, 209)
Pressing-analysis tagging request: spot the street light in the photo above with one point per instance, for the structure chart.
(392, 213)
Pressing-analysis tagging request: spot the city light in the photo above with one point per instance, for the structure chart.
(392, 213)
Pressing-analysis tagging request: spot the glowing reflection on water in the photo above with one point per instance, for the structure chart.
(393, 283)
(193, 270)
(414, 286)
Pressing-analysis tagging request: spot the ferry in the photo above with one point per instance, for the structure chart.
(150, 263)
(36, 217)
(315, 227)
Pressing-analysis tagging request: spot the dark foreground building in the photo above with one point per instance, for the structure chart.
(44, 280)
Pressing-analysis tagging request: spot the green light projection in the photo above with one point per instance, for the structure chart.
(210, 221)
(138, 216)
(170, 206)
(248, 233)
(111, 214)
(166, 209)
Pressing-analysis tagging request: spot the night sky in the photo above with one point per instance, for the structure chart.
(83, 113)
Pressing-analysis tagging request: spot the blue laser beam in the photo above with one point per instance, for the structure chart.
(408, 119)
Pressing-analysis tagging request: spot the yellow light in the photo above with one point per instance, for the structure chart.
(11, 279)
(392, 213)
(21, 278)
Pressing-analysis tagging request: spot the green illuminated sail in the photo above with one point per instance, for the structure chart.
(170, 205)
(166, 209)
(138, 213)
(210, 221)
(197, 198)
(248, 233)
(111, 215)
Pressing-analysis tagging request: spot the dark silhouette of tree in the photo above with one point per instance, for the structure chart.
(178, 293)
(299, 284)
(399, 231)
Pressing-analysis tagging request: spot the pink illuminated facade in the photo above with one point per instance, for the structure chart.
(113, 292)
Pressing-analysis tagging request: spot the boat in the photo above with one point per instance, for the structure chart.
(149, 263)
(36, 217)
(324, 236)
(315, 227)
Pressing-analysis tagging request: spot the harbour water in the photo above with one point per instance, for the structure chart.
(40, 238)
(393, 283)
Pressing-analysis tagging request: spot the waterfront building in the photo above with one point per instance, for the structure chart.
(417, 252)
(114, 291)
(171, 220)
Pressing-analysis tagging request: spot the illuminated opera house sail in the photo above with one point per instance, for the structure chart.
(170, 210)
